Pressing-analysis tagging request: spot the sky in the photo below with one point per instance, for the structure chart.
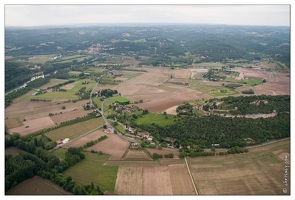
(44, 15)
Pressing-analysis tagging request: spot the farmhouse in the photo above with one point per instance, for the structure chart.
(215, 145)
(59, 142)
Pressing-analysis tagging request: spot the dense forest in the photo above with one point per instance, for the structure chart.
(229, 132)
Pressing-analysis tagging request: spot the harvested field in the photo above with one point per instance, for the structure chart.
(156, 181)
(179, 81)
(113, 145)
(135, 155)
(26, 105)
(180, 180)
(75, 130)
(121, 79)
(37, 186)
(159, 102)
(258, 172)
(32, 126)
(43, 111)
(69, 115)
(164, 151)
(169, 161)
(129, 180)
(69, 86)
(283, 155)
(182, 74)
(81, 141)
(52, 82)
(172, 110)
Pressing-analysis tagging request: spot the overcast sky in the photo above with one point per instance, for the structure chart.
(36, 15)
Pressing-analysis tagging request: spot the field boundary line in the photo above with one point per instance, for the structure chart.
(189, 171)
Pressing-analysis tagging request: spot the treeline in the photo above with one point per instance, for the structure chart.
(15, 94)
(93, 142)
(228, 132)
(168, 155)
(38, 82)
(108, 92)
(15, 75)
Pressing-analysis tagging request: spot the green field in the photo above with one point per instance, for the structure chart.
(158, 119)
(79, 85)
(60, 153)
(75, 130)
(91, 170)
(121, 128)
(79, 58)
(193, 81)
(40, 59)
(214, 91)
(97, 101)
(251, 81)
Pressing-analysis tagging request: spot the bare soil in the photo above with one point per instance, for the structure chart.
(33, 125)
(113, 145)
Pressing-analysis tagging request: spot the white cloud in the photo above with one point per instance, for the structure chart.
(35, 15)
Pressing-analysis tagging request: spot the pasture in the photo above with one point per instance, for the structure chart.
(159, 119)
(92, 170)
(75, 130)
(37, 186)
(258, 172)
(213, 90)
(113, 145)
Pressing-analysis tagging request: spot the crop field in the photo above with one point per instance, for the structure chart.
(40, 59)
(163, 151)
(35, 110)
(87, 138)
(75, 72)
(180, 180)
(183, 73)
(33, 125)
(12, 123)
(52, 82)
(37, 186)
(135, 155)
(129, 180)
(169, 161)
(178, 80)
(130, 61)
(258, 172)
(158, 119)
(13, 151)
(92, 170)
(75, 130)
(113, 145)
(69, 86)
(69, 115)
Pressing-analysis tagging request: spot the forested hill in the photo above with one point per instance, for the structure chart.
(211, 42)
(15, 75)
(228, 132)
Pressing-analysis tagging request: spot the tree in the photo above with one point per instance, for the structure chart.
(182, 155)
(263, 81)
(63, 107)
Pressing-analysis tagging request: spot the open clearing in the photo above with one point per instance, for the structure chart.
(75, 130)
(172, 110)
(37, 186)
(136, 155)
(113, 145)
(69, 115)
(91, 170)
(32, 126)
(13, 151)
(87, 138)
(258, 172)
